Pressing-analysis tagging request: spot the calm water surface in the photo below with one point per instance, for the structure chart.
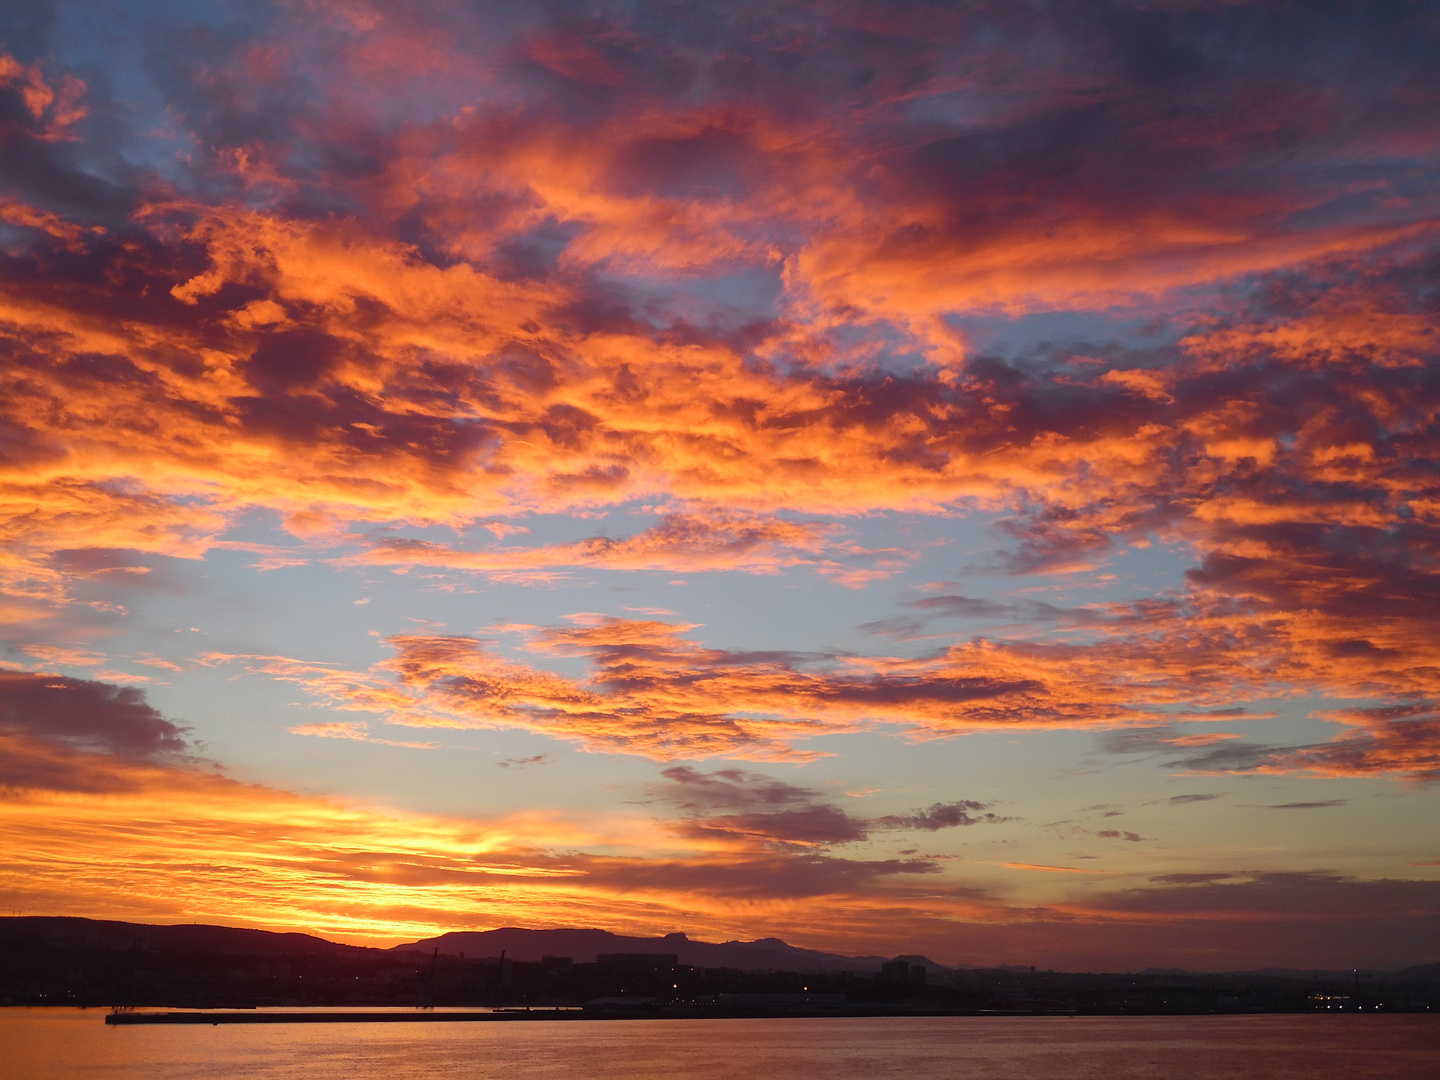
(68, 1044)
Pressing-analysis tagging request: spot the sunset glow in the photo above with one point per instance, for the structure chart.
(956, 478)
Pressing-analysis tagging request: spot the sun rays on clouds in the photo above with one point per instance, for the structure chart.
(836, 458)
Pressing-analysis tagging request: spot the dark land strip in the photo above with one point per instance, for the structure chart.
(128, 966)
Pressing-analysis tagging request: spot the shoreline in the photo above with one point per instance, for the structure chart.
(569, 1015)
(520, 1015)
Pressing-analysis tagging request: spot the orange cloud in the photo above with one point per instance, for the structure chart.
(145, 838)
(152, 842)
(702, 540)
(103, 815)
(652, 692)
(356, 732)
(54, 106)
(494, 320)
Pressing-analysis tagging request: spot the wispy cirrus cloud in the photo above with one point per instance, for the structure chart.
(1403, 740)
(700, 540)
(653, 692)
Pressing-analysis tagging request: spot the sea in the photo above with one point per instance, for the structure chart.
(70, 1044)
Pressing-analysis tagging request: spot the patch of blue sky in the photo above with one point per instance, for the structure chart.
(880, 348)
(1376, 189)
(115, 48)
(1107, 334)
(974, 107)
(721, 301)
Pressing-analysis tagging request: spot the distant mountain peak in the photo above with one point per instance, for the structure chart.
(764, 954)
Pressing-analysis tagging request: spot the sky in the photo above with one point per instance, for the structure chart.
(955, 478)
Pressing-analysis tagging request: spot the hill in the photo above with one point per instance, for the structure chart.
(67, 932)
(583, 946)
